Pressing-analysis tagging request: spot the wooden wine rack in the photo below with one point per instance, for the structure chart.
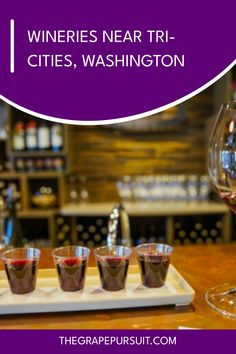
(39, 218)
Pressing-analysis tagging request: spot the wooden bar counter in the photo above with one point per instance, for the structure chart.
(202, 267)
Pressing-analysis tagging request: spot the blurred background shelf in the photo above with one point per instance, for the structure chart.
(37, 153)
(146, 208)
(85, 173)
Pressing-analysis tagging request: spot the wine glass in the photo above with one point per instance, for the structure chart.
(222, 171)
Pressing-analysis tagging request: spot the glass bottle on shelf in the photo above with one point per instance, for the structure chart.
(29, 165)
(48, 162)
(73, 190)
(125, 188)
(58, 164)
(57, 137)
(31, 135)
(18, 142)
(83, 192)
(20, 164)
(43, 136)
(39, 164)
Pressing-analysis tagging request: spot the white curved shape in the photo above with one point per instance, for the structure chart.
(123, 119)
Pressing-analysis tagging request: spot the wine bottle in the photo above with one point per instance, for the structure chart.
(97, 238)
(43, 136)
(19, 136)
(13, 233)
(56, 137)
(31, 135)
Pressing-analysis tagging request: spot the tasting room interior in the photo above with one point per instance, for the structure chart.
(67, 178)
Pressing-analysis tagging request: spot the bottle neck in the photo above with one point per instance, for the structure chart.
(13, 227)
(12, 209)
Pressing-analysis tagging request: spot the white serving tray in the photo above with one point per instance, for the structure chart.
(49, 298)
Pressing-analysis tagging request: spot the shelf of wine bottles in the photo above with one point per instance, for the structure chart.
(35, 231)
(198, 229)
(91, 231)
(30, 134)
(87, 231)
(148, 230)
(36, 146)
(63, 231)
(40, 164)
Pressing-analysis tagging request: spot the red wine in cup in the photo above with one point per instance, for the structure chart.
(153, 269)
(71, 273)
(21, 275)
(113, 272)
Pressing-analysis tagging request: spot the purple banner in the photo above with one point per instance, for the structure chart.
(122, 341)
(108, 60)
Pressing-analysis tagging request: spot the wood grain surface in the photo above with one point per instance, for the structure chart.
(104, 155)
(202, 267)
